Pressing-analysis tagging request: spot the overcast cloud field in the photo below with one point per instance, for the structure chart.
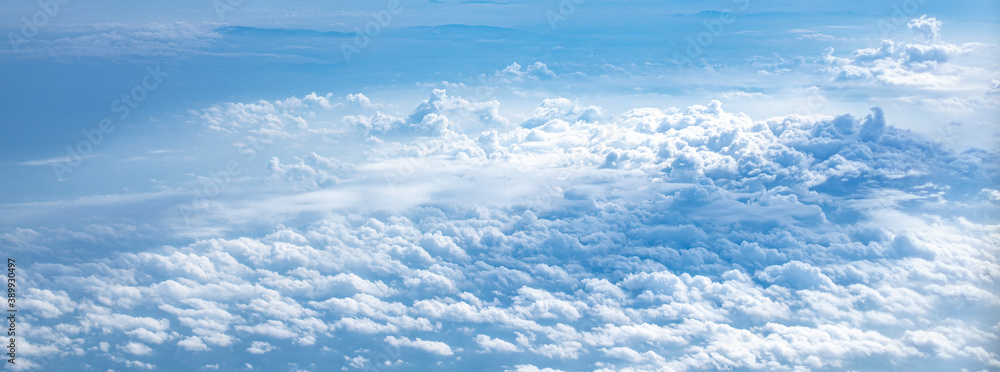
(500, 185)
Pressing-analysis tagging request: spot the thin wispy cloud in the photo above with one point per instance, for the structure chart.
(55, 160)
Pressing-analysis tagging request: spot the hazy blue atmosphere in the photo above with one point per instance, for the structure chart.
(501, 185)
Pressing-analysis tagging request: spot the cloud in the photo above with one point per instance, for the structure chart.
(136, 348)
(263, 119)
(659, 238)
(742, 94)
(494, 344)
(434, 347)
(531, 368)
(994, 88)
(193, 343)
(56, 160)
(534, 71)
(259, 347)
(309, 173)
(897, 63)
(435, 116)
(556, 113)
(927, 27)
(796, 275)
(122, 40)
(360, 100)
(435, 113)
(48, 304)
(820, 37)
(927, 64)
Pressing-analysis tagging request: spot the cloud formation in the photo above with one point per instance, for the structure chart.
(927, 27)
(658, 239)
(898, 63)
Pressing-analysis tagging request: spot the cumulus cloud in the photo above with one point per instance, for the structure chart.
(193, 343)
(897, 63)
(434, 347)
(360, 100)
(265, 120)
(48, 304)
(259, 347)
(926, 27)
(136, 348)
(557, 113)
(438, 114)
(309, 173)
(901, 63)
(536, 71)
(494, 344)
(656, 239)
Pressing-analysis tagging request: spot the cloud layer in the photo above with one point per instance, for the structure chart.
(566, 239)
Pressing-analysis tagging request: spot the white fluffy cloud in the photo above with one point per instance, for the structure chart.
(927, 27)
(434, 347)
(897, 63)
(259, 347)
(515, 72)
(662, 238)
(309, 173)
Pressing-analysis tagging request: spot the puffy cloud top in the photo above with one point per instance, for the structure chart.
(927, 27)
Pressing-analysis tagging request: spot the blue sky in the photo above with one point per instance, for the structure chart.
(502, 185)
